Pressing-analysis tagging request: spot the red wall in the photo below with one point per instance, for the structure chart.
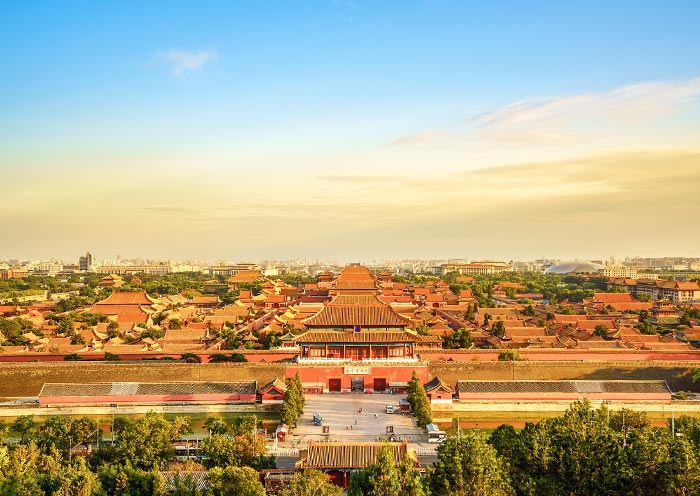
(573, 355)
(321, 374)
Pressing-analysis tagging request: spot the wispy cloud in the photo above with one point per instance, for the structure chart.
(183, 61)
(632, 101)
(169, 210)
(564, 120)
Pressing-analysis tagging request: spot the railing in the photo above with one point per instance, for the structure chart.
(283, 451)
(424, 450)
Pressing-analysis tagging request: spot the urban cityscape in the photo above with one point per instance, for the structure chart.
(349, 247)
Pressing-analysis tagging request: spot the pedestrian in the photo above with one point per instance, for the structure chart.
(355, 421)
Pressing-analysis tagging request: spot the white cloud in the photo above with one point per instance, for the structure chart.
(182, 61)
(594, 119)
(642, 100)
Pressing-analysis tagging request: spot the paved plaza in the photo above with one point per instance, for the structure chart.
(341, 415)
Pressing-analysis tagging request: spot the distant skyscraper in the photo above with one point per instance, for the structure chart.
(86, 262)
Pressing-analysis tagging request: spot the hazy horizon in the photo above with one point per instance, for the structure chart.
(349, 130)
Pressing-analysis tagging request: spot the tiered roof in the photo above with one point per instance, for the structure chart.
(367, 337)
(356, 310)
(355, 279)
(127, 306)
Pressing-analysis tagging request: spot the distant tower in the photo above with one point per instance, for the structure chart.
(86, 262)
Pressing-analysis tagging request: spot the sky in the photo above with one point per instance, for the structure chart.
(350, 130)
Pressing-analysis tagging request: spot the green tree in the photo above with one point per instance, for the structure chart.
(387, 476)
(469, 466)
(25, 427)
(191, 358)
(310, 482)
(238, 445)
(216, 425)
(125, 480)
(146, 441)
(293, 402)
(418, 399)
(601, 330)
(529, 311)
(498, 328)
(238, 481)
(509, 356)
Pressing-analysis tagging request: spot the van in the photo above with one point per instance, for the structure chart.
(390, 409)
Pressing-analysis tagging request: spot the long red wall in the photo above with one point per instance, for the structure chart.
(556, 355)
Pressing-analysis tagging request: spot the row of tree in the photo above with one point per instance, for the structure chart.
(584, 452)
(293, 402)
(419, 401)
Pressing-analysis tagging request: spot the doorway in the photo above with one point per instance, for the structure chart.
(357, 384)
(380, 385)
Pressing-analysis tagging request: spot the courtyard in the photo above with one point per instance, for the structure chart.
(343, 421)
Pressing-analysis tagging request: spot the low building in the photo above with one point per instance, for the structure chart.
(112, 281)
(674, 290)
(340, 460)
(148, 393)
(272, 392)
(620, 271)
(489, 391)
(438, 391)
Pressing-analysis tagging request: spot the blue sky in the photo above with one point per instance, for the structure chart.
(285, 95)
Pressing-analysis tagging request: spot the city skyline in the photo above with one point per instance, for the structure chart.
(350, 130)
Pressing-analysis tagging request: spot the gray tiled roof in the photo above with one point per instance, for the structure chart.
(147, 388)
(653, 387)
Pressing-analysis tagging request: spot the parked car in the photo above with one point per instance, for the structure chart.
(390, 409)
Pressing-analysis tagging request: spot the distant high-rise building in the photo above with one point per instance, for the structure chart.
(86, 262)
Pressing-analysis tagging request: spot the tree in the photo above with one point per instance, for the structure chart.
(529, 311)
(236, 444)
(25, 427)
(509, 356)
(461, 338)
(191, 358)
(216, 425)
(418, 399)
(241, 481)
(62, 433)
(293, 402)
(310, 482)
(498, 328)
(469, 466)
(146, 441)
(601, 330)
(125, 480)
(387, 476)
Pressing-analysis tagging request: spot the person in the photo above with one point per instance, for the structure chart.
(359, 411)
